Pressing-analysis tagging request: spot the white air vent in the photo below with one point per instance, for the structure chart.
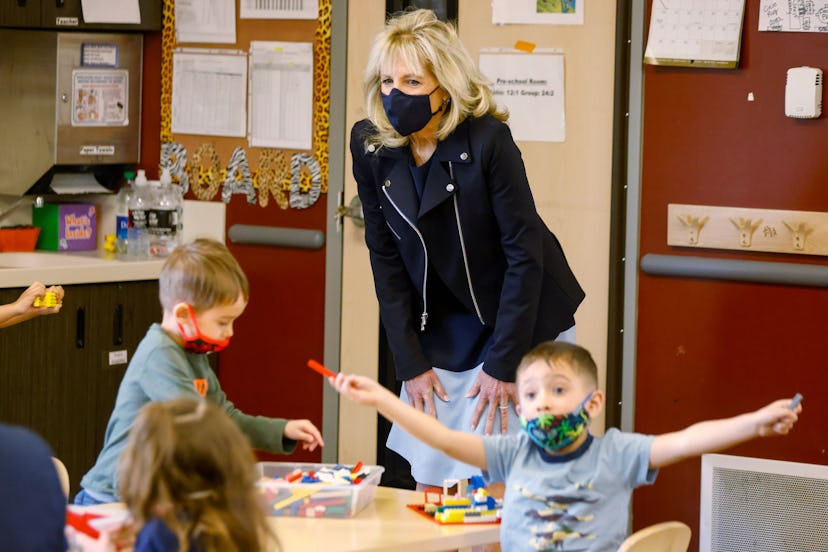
(756, 505)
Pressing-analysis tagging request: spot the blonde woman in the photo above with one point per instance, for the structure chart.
(467, 275)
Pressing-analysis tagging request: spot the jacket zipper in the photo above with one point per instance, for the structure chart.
(463, 248)
(424, 316)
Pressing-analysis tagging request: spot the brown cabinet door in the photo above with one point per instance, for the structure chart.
(57, 375)
(46, 384)
(68, 15)
(20, 13)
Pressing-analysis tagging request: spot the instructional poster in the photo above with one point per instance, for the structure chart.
(99, 97)
(531, 87)
(803, 16)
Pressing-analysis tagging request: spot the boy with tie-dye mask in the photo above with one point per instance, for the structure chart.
(565, 488)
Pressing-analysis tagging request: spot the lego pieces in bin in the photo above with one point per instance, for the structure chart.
(325, 491)
(337, 475)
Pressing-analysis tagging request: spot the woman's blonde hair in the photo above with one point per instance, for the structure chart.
(188, 464)
(203, 274)
(424, 43)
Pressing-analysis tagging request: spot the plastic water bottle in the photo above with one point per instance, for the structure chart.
(164, 220)
(122, 213)
(138, 243)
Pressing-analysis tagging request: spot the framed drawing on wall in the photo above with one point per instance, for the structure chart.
(446, 10)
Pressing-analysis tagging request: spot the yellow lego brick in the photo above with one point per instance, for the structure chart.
(48, 300)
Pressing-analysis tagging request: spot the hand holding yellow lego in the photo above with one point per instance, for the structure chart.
(34, 301)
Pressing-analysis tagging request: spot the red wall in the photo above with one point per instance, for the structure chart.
(151, 105)
(263, 371)
(711, 349)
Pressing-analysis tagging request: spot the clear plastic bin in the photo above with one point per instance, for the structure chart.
(326, 500)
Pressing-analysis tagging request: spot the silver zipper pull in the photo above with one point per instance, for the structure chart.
(423, 319)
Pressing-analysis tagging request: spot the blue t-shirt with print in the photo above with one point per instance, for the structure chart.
(576, 501)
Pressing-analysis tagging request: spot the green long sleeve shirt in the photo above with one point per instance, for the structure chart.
(161, 370)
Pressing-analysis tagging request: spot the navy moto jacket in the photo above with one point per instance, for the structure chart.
(476, 225)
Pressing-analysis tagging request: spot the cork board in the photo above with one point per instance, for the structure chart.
(213, 165)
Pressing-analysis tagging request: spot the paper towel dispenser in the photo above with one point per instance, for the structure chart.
(70, 104)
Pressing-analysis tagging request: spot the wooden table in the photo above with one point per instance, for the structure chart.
(384, 525)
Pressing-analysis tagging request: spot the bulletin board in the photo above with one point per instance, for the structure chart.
(211, 166)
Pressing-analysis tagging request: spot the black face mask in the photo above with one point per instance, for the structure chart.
(407, 113)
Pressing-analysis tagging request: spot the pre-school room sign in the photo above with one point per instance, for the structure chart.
(531, 87)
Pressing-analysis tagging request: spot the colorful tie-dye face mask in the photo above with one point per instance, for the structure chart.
(553, 432)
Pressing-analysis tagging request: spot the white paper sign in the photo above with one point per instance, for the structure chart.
(205, 21)
(278, 9)
(110, 11)
(531, 86)
(281, 95)
(209, 92)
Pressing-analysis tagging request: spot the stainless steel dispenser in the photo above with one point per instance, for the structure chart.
(70, 103)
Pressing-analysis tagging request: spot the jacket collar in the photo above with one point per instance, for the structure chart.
(455, 148)
(439, 186)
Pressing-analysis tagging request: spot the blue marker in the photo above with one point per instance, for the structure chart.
(795, 401)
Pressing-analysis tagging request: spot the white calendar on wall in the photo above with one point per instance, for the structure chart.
(695, 33)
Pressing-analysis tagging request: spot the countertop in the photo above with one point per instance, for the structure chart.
(51, 268)
(200, 219)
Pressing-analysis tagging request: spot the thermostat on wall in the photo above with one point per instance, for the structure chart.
(803, 92)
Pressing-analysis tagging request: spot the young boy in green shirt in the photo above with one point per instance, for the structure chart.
(202, 290)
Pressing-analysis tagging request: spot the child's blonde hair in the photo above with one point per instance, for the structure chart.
(203, 274)
(574, 356)
(188, 464)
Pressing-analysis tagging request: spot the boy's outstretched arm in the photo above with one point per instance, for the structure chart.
(466, 447)
(715, 435)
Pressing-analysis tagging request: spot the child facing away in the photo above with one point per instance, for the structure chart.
(24, 307)
(188, 475)
(565, 488)
(202, 291)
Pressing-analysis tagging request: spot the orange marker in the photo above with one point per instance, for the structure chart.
(317, 367)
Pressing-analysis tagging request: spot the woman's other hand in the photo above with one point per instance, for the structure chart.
(494, 394)
(421, 390)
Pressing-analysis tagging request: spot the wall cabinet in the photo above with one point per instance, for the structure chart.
(56, 377)
(68, 15)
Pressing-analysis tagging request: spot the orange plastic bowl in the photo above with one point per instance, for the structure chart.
(22, 238)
